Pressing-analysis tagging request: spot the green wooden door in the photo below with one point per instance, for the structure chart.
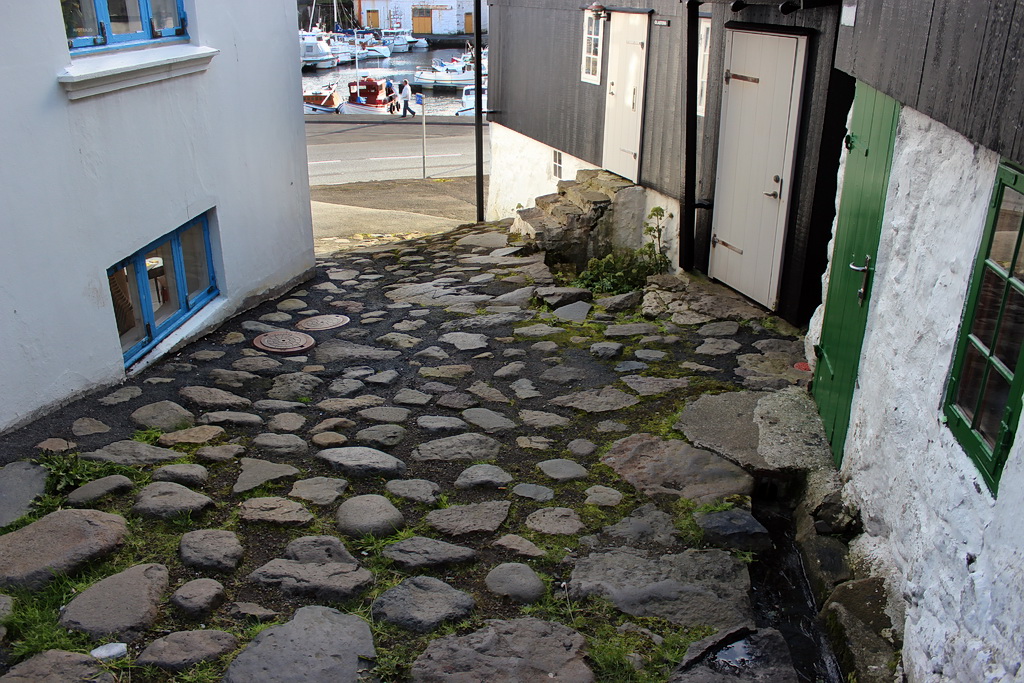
(858, 227)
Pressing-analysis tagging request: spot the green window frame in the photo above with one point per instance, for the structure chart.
(983, 399)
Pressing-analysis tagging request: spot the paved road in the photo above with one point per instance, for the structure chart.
(347, 149)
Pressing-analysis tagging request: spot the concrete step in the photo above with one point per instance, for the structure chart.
(534, 223)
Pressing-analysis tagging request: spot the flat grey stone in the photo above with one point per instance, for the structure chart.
(385, 414)
(166, 416)
(256, 473)
(437, 387)
(488, 420)
(581, 447)
(347, 405)
(791, 435)
(519, 546)
(735, 528)
(58, 666)
(620, 302)
(97, 489)
(511, 651)
(198, 597)
(446, 371)
(650, 355)
(291, 305)
(333, 581)
(59, 543)
(696, 586)
(280, 444)
(518, 297)
(466, 519)
(122, 395)
(20, 484)
(458, 447)
(417, 490)
(319, 490)
(319, 644)
(701, 421)
(606, 350)
(562, 374)
(341, 351)
(184, 649)
(596, 401)
(432, 353)
(488, 476)
(286, 422)
(575, 312)
(513, 369)
(439, 423)
(186, 475)
(318, 549)
(645, 526)
(272, 405)
(209, 398)
(224, 453)
(630, 366)
(716, 346)
(234, 379)
(562, 296)
(362, 461)
(561, 469)
(542, 420)
(369, 515)
(399, 340)
(540, 494)
(464, 341)
(524, 389)
(545, 346)
(123, 605)
(725, 328)
(384, 435)
(515, 581)
(257, 364)
(165, 500)
(210, 550)
(487, 392)
(674, 467)
(191, 436)
(457, 400)
(411, 397)
(602, 496)
(231, 417)
(555, 521)
(420, 552)
(274, 510)
(421, 604)
(630, 330)
(538, 330)
(131, 453)
(87, 426)
(345, 387)
(385, 378)
(540, 443)
(651, 386)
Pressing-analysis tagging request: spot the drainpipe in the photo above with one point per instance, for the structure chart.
(689, 217)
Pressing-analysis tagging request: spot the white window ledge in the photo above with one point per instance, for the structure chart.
(97, 74)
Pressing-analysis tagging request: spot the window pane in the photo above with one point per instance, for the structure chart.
(971, 377)
(125, 294)
(165, 14)
(193, 253)
(1011, 330)
(990, 295)
(80, 18)
(1004, 238)
(125, 16)
(993, 404)
(163, 288)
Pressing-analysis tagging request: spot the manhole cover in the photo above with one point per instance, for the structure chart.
(322, 322)
(284, 341)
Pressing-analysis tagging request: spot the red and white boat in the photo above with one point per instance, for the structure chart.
(365, 96)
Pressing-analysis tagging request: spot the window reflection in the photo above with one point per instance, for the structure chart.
(79, 18)
(165, 14)
(193, 253)
(1004, 239)
(125, 16)
(125, 294)
(163, 288)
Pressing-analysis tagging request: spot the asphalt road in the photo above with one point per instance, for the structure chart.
(347, 149)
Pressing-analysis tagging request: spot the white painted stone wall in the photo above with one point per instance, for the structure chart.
(85, 183)
(450, 20)
(926, 510)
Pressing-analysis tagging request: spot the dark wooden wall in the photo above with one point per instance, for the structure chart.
(535, 88)
(958, 62)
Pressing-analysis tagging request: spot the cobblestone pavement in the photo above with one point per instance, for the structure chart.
(480, 477)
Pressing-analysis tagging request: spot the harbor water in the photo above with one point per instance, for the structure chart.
(436, 101)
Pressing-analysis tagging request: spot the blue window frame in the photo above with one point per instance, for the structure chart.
(161, 286)
(102, 24)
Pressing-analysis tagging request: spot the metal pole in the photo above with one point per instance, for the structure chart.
(687, 222)
(478, 108)
(423, 115)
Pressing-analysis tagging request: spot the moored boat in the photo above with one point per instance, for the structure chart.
(315, 51)
(323, 100)
(469, 100)
(365, 96)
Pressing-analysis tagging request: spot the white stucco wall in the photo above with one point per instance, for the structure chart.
(88, 182)
(449, 20)
(925, 509)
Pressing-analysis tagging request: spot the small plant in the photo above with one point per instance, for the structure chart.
(304, 399)
(150, 436)
(626, 270)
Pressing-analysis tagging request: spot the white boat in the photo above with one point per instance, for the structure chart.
(396, 39)
(323, 100)
(342, 49)
(378, 50)
(315, 50)
(452, 74)
(469, 100)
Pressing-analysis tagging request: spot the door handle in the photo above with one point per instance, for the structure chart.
(865, 271)
(773, 194)
(634, 100)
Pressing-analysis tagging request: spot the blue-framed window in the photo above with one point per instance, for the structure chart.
(159, 287)
(118, 23)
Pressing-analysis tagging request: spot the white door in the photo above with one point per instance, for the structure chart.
(624, 104)
(756, 149)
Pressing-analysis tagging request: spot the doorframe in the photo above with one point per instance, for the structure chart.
(793, 141)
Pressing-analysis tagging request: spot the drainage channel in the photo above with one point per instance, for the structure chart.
(782, 596)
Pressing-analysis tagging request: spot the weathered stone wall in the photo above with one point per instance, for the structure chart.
(952, 548)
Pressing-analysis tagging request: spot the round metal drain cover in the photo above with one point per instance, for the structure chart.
(322, 322)
(284, 341)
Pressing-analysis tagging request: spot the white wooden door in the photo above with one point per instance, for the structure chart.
(756, 148)
(624, 103)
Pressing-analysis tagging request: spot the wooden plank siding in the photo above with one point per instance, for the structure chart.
(957, 62)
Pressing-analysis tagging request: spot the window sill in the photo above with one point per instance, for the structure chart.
(99, 74)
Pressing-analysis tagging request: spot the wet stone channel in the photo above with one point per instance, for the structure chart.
(484, 474)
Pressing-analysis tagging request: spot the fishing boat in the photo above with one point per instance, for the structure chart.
(315, 50)
(455, 73)
(322, 100)
(469, 100)
(365, 96)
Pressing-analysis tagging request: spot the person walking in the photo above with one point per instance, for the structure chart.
(405, 96)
